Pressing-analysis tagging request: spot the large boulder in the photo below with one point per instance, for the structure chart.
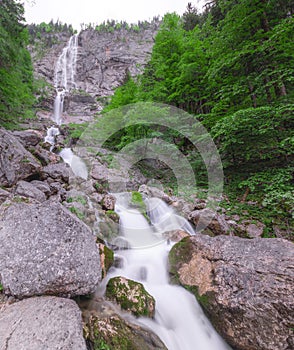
(245, 286)
(16, 163)
(45, 249)
(47, 323)
(131, 296)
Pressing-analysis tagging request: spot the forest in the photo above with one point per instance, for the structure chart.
(232, 67)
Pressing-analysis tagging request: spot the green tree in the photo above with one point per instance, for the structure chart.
(16, 74)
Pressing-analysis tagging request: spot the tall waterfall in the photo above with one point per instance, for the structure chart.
(64, 79)
(179, 320)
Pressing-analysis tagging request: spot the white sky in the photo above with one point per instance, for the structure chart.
(76, 12)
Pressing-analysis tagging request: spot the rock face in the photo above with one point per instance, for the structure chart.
(104, 61)
(243, 285)
(44, 249)
(16, 163)
(47, 323)
(131, 295)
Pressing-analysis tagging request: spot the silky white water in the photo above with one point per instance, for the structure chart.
(77, 165)
(64, 79)
(179, 320)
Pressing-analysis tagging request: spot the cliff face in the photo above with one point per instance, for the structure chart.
(104, 60)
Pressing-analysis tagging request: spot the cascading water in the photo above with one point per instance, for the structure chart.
(179, 320)
(65, 75)
(64, 81)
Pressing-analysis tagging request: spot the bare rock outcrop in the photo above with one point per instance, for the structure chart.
(47, 323)
(244, 285)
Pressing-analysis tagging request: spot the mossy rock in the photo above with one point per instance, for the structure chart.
(106, 257)
(114, 333)
(178, 255)
(112, 215)
(131, 296)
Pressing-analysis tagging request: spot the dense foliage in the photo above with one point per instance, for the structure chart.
(232, 67)
(16, 73)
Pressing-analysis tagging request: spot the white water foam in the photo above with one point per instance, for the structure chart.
(179, 320)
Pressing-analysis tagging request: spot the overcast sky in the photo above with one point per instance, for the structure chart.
(97, 11)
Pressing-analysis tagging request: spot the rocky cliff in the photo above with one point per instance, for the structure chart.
(105, 58)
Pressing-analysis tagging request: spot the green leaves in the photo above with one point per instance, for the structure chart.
(16, 73)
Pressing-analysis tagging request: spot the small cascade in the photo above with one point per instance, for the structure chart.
(51, 136)
(179, 320)
(78, 167)
(164, 218)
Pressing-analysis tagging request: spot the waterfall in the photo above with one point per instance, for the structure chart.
(179, 320)
(64, 79)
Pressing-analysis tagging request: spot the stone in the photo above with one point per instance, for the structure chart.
(4, 195)
(60, 172)
(27, 189)
(106, 258)
(29, 138)
(175, 235)
(47, 323)
(45, 249)
(207, 218)
(42, 186)
(244, 285)
(108, 202)
(131, 296)
(45, 156)
(16, 163)
(104, 327)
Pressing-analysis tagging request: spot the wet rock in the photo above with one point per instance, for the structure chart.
(28, 138)
(150, 191)
(106, 327)
(27, 189)
(16, 163)
(131, 296)
(106, 258)
(207, 218)
(49, 323)
(176, 235)
(44, 249)
(244, 285)
(108, 202)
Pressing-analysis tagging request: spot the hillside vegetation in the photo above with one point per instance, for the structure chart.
(232, 67)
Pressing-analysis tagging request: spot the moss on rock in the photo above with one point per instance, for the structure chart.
(114, 333)
(131, 296)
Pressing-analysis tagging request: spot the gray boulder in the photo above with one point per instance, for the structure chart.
(27, 189)
(59, 172)
(29, 138)
(245, 286)
(47, 323)
(16, 163)
(45, 249)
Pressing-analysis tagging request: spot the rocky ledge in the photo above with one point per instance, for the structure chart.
(243, 285)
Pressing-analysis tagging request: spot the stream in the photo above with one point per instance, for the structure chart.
(179, 320)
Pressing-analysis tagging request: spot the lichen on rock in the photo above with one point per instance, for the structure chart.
(131, 296)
